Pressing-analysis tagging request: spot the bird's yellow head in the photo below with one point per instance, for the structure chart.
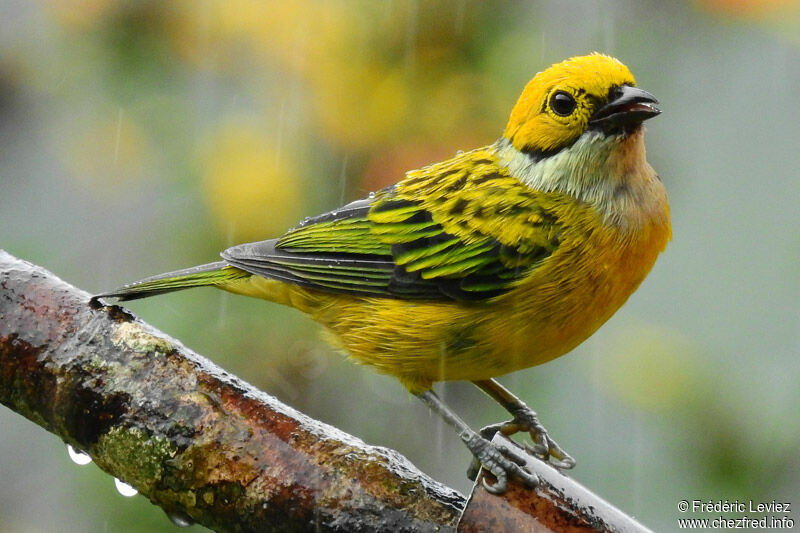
(561, 103)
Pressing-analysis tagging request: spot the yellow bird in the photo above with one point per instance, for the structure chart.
(498, 259)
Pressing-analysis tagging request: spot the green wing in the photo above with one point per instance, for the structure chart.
(460, 230)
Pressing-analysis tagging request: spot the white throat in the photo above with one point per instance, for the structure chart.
(609, 172)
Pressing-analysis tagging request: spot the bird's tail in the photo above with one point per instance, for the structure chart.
(218, 273)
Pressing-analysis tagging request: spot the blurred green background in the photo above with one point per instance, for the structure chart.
(140, 137)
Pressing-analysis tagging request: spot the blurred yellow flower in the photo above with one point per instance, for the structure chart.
(378, 74)
(252, 190)
(272, 34)
(360, 105)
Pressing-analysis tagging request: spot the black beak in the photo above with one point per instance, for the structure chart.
(627, 106)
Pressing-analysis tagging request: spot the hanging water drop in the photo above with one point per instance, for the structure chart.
(180, 519)
(79, 458)
(125, 489)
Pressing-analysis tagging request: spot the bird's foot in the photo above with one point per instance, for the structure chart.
(502, 461)
(544, 447)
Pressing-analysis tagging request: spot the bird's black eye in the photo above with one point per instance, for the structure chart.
(562, 103)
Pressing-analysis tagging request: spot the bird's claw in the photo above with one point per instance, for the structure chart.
(543, 447)
(503, 462)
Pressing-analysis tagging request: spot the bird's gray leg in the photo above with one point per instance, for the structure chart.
(500, 461)
(524, 420)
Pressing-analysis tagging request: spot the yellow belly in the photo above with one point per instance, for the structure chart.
(560, 304)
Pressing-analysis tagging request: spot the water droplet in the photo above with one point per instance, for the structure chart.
(125, 489)
(79, 458)
(180, 519)
(371, 195)
(460, 152)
